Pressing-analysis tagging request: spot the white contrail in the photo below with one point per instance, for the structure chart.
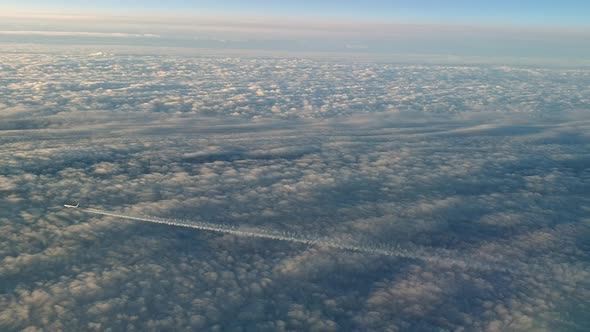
(394, 251)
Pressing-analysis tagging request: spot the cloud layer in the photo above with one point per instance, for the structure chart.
(489, 163)
(472, 42)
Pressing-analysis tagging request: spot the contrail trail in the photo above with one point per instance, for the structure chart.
(392, 251)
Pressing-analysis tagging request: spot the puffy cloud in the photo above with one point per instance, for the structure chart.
(321, 153)
(272, 88)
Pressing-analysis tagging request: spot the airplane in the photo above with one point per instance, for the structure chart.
(71, 206)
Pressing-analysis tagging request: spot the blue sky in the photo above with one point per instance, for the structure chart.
(522, 12)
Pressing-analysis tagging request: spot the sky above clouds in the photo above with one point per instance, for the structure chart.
(537, 32)
(540, 12)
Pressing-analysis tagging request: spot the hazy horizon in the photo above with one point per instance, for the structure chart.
(535, 34)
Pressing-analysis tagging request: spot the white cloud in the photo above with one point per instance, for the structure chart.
(77, 34)
(154, 136)
(432, 43)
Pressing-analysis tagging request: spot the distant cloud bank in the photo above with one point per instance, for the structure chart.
(569, 45)
(76, 34)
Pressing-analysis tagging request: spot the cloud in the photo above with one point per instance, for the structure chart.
(487, 164)
(433, 43)
(75, 34)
